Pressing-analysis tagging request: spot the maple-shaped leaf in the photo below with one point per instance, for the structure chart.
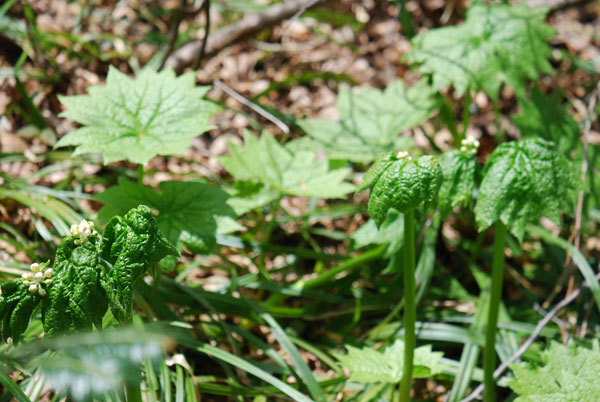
(368, 365)
(543, 116)
(289, 172)
(189, 213)
(523, 181)
(568, 374)
(370, 122)
(135, 119)
(497, 44)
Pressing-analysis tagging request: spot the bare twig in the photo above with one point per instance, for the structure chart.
(536, 332)
(174, 32)
(219, 84)
(206, 6)
(248, 25)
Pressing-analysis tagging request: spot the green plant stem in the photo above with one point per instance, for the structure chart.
(409, 304)
(140, 174)
(134, 393)
(489, 353)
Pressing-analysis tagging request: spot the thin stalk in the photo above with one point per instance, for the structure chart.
(409, 304)
(140, 174)
(489, 353)
(134, 393)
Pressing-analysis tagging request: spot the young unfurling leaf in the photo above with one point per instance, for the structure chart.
(459, 168)
(130, 244)
(19, 299)
(523, 181)
(76, 299)
(397, 181)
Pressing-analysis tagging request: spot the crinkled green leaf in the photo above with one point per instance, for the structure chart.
(459, 169)
(498, 43)
(523, 181)
(135, 119)
(290, 173)
(16, 307)
(368, 365)
(544, 117)
(189, 213)
(76, 298)
(568, 374)
(401, 183)
(370, 122)
(131, 245)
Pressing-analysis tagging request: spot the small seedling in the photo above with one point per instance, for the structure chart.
(398, 181)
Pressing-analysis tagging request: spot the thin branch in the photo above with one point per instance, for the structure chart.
(219, 84)
(536, 332)
(206, 6)
(249, 25)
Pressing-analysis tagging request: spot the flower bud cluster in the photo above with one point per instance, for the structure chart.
(83, 230)
(38, 276)
(404, 155)
(470, 145)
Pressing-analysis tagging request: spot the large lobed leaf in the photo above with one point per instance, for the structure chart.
(523, 181)
(370, 122)
(568, 374)
(189, 213)
(497, 44)
(368, 365)
(135, 119)
(290, 173)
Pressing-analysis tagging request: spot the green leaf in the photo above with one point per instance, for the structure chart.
(16, 307)
(76, 298)
(370, 122)
(189, 213)
(497, 44)
(135, 119)
(398, 181)
(391, 232)
(131, 245)
(290, 173)
(544, 117)
(523, 181)
(568, 373)
(459, 169)
(248, 195)
(368, 365)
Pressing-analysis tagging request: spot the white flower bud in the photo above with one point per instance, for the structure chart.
(42, 291)
(33, 288)
(74, 231)
(48, 281)
(48, 273)
(38, 276)
(27, 275)
(26, 283)
(403, 155)
(84, 228)
(35, 267)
